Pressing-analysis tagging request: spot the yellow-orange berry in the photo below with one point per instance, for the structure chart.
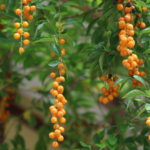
(21, 50)
(53, 120)
(25, 24)
(55, 144)
(26, 35)
(53, 75)
(17, 25)
(33, 8)
(52, 135)
(26, 42)
(18, 11)
(62, 120)
(62, 41)
(16, 36)
(2, 7)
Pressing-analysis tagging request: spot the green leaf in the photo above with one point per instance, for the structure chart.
(69, 3)
(57, 49)
(101, 145)
(50, 8)
(88, 13)
(112, 140)
(123, 79)
(60, 14)
(140, 79)
(20, 141)
(134, 93)
(84, 145)
(72, 21)
(147, 51)
(38, 29)
(10, 14)
(147, 92)
(101, 134)
(101, 62)
(49, 29)
(130, 100)
(44, 40)
(140, 100)
(140, 4)
(54, 63)
(9, 5)
(141, 112)
(146, 30)
(66, 70)
(147, 107)
(96, 138)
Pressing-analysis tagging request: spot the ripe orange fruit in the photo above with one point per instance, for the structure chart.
(103, 78)
(2, 7)
(120, 7)
(101, 98)
(20, 31)
(62, 41)
(149, 137)
(21, 50)
(60, 89)
(63, 24)
(60, 138)
(26, 42)
(142, 73)
(17, 25)
(25, 24)
(61, 129)
(142, 25)
(59, 105)
(53, 55)
(18, 11)
(103, 89)
(141, 62)
(53, 75)
(54, 93)
(55, 144)
(110, 97)
(52, 135)
(115, 93)
(62, 120)
(60, 114)
(33, 8)
(148, 122)
(55, 84)
(56, 126)
(27, 8)
(60, 97)
(61, 79)
(26, 34)
(62, 72)
(105, 100)
(61, 66)
(53, 120)
(16, 36)
(30, 18)
(63, 52)
(106, 93)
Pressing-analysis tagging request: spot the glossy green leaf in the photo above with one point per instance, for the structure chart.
(54, 63)
(45, 40)
(9, 5)
(140, 100)
(57, 49)
(122, 79)
(60, 14)
(147, 107)
(134, 93)
(49, 28)
(112, 140)
(101, 59)
(140, 79)
(142, 111)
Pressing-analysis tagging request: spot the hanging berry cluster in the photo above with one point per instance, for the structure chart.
(57, 110)
(24, 24)
(148, 124)
(111, 92)
(127, 42)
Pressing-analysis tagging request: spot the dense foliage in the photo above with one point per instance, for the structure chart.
(91, 30)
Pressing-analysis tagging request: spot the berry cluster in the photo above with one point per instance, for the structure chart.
(57, 110)
(127, 42)
(148, 124)
(111, 92)
(23, 24)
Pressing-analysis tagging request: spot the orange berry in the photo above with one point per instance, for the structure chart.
(115, 88)
(56, 126)
(110, 89)
(63, 52)
(53, 75)
(53, 55)
(63, 110)
(135, 81)
(63, 24)
(27, 8)
(2, 7)
(115, 93)
(115, 79)
(30, 18)
(57, 132)
(142, 73)
(130, 72)
(106, 93)
(21, 50)
(26, 34)
(140, 84)
(61, 66)
(20, 31)
(33, 8)
(134, 85)
(64, 101)
(26, 42)
(54, 93)
(18, 11)
(141, 62)
(148, 122)
(51, 107)
(61, 129)
(149, 137)
(55, 144)
(62, 120)
(101, 98)
(103, 78)
(62, 72)
(55, 84)
(60, 138)
(148, 118)
(137, 72)
(53, 120)
(17, 25)
(16, 36)
(51, 91)
(61, 79)
(105, 100)
(110, 97)
(25, 24)
(60, 89)
(59, 105)
(60, 114)
(56, 101)
(60, 97)
(120, 7)
(103, 89)
(134, 57)
(111, 83)
(52, 135)
(62, 41)
(54, 111)
(133, 64)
